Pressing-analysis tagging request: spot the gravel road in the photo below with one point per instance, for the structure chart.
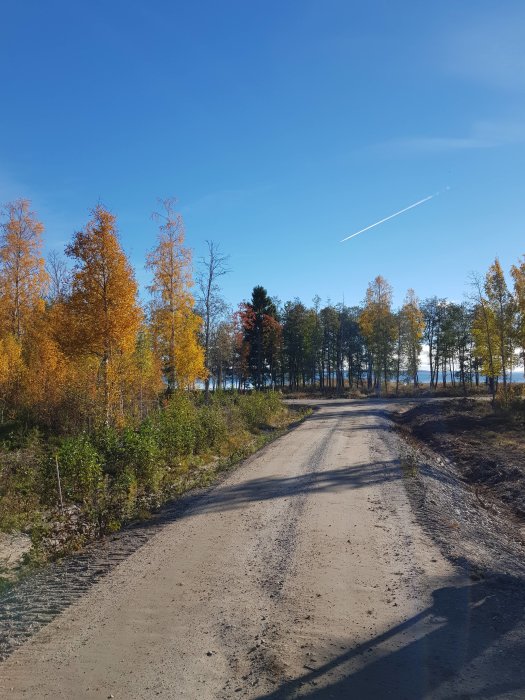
(306, 573)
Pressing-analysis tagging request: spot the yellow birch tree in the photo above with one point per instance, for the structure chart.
(413, 325)
(377, 324)
(518, 274)
(23, 277)
(174, 322)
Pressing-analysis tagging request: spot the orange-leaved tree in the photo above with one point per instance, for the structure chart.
(23, 283)
(23, 277)
(102, 310)
(46, 374)
(11, 372)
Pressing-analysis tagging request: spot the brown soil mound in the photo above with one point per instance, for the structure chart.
(487, 445)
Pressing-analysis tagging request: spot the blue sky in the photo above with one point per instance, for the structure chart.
(281, 127)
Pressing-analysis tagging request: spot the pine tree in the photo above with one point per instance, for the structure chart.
(262, 333)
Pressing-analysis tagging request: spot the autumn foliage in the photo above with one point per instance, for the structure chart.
(77, 348)
(175, 325)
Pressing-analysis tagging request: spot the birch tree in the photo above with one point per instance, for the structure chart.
(175, 324)
(211, 305)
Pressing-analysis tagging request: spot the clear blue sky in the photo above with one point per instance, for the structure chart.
(281, 126)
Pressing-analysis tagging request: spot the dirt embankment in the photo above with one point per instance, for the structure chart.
(485, 445)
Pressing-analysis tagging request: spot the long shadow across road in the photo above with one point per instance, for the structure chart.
(468, 644)
(354, 476)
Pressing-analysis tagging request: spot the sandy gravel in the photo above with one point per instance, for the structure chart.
(306, 573)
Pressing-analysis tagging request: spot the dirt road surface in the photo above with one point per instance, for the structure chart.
(304, 574)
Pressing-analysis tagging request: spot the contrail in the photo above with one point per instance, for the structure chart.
(416, 204)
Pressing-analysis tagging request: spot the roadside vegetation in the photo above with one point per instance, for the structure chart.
(65, 491)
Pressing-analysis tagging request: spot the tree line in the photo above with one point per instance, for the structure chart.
(79, 349)
(374, 346)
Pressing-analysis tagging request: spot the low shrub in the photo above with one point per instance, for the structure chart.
(81, 470)
(258, 408)
(178, 427)
(21, 479)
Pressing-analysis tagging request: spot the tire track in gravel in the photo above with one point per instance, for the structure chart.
(278, 557)
(277, 551)
(270, 563)
(38, 599)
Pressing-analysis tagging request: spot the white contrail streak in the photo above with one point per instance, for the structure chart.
(416, 204)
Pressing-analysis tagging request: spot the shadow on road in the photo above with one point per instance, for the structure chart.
(436, 649)
(263, 489)
(354, 476)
